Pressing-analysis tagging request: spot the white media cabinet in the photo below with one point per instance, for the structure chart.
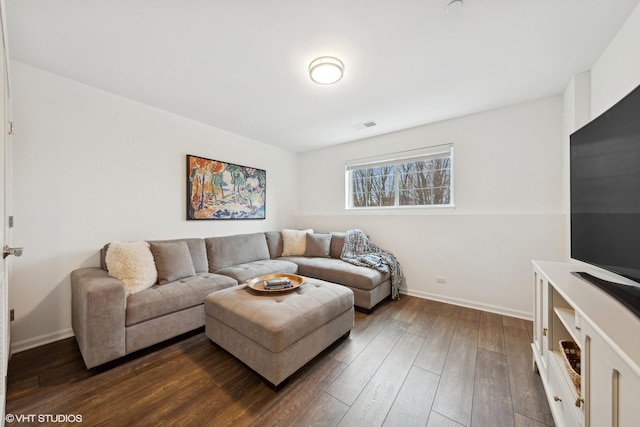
(568, 307)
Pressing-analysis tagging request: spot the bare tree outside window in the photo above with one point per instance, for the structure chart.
(373, 187)
(423, 182)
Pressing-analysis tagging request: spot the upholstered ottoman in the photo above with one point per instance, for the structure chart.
(277, 334)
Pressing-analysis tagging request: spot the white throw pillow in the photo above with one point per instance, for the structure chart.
(294, 242)
(132, 263)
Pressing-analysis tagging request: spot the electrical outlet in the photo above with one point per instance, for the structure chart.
(11, 315)
(441, 279)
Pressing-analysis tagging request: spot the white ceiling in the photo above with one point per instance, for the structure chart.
(242, 65)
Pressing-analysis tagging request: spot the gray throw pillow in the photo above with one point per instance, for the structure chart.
(318, 245)
(173, 261)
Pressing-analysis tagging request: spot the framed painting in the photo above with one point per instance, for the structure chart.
(220, 190)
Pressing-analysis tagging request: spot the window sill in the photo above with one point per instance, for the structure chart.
(403, 210)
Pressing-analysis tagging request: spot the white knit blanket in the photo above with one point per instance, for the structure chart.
(359, 250)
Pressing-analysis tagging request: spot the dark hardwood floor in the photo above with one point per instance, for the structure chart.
(411, 362)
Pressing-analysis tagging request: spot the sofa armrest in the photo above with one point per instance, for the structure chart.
(98, 304)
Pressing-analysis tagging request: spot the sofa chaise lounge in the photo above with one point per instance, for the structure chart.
(109, 324)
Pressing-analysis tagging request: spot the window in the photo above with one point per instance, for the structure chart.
(416, 178)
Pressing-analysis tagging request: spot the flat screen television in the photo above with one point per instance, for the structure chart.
(605, 193)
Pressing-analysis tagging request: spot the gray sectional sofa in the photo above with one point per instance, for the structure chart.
(109, 324)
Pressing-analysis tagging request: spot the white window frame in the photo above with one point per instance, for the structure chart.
(426, 153)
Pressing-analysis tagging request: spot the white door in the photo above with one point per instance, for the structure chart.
(4, 296)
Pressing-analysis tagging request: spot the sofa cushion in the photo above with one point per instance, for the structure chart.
(227, 251)
(197, 249)
(173, 261)
(318, 245)
(337, 244)
(132, 263)
(160, 300)
(294, 242)
(274, 242)
(250, 270)
(338, 271)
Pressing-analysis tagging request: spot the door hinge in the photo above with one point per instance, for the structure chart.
(10, 128)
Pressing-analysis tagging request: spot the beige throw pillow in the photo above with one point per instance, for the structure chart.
(132, 263)
(294, 242)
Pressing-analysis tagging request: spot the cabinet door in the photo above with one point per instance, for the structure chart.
(541, 319)
(611, 388)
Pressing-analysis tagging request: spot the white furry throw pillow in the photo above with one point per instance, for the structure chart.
(294, 242)
(132, 263)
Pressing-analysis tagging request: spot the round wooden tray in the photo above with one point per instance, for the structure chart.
(257, 284)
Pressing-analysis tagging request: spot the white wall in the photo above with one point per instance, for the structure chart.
(91, 167)
(508, 195)
(617, 71)
(577, 113)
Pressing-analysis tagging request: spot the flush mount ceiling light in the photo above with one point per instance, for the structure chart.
(326, 70)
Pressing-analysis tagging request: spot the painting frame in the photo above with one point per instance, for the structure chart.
(218, 190)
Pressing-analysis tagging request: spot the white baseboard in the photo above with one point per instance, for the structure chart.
(471, 304)
(19, 346)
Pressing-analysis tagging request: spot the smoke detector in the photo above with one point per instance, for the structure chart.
(366, 125)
